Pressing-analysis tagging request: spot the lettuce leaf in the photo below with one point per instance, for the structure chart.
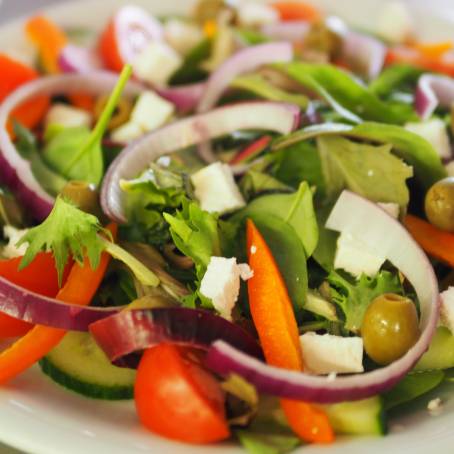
(369, 170)
(354, 297)
(394, 77)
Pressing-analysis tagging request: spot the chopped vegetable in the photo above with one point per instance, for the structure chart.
(289, 11)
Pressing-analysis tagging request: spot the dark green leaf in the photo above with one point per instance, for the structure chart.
(394, 77)
(255, 183)
(267, 443)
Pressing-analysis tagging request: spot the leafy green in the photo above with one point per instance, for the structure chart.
(354, 297)
(441, 351)
(259, 86)
(327, 242)
(255, 183)
(369, 170)
(266, 442)
(116, 289)
(66, 232)
(346, 95)
(76, 153)
(251, 37)
(415, 150)
(412, 386)
(394, 77)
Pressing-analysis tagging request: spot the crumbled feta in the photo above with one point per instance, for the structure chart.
(434, 131)
(447, 309)
(331, 376)
(450, 169)
(11, 251)
(67, 116)
(126, 132)
(253, 249)
(391, 208)
(151, 111)
(434, 405)
(221, 283)
(216, 190)
(253, 14)
(156, 63)
(183, 36)
(327, 354)
(395, 23)
(356, 257)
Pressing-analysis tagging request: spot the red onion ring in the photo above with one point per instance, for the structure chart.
(287, 31)
(373, 226)
(77, 59)
(279, 117)
(433, 90)
(185, 97)
(245, 60)
(15, 171)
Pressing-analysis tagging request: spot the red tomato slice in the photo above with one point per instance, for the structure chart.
(126, 35)
(178, 399)
(296, 10)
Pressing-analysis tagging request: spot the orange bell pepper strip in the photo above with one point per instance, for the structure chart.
(82, 101)
(13, 75)
(49, 39)
(80, 288)
(434, 50)
(291, 10)
(39, 277)
(273, 316)
(437, 243)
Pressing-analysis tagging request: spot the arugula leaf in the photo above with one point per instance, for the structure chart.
(66, 231)
(255, 183)
(340, 89)
(412, 386)
(394, 77)
(259, 86)
(415, 150)
(369, 170)
(354, 297)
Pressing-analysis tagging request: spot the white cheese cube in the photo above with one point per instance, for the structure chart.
(183, 36)
(253, 14)
(434, 131)
(216, 190)
(126, 132)
(395, 23)
(356, 257)
(450, 169)
(151, 111)
(11, 251)
(327, 354)
(447, 309)
(67, 116)
(156, 63)
(391, 208)
(221, 283)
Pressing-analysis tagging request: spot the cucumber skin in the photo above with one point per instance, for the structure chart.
(84, 388)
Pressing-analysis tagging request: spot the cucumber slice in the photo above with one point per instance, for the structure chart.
(441, 352)
(362, 417)
(78, 364)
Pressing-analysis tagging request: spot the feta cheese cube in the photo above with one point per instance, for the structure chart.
(327, 354)
(183, 36)
(356, 257)
(67, 116)
(395, 23)
(127, 132)
(151, 111)
(11, 251)
(156, 63)
(434, 131)
(253, 14)
(216, 190)
(447, 309)
(391, 208)
(221, 283)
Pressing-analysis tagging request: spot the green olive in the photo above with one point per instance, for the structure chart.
(323, 40)
(84, 195)
(439, 204)
(390, 328)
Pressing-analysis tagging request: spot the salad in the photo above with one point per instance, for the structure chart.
(241, 219)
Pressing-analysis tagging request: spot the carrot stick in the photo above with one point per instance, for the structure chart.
(276, 326)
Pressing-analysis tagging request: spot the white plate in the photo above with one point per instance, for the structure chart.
(39, 417)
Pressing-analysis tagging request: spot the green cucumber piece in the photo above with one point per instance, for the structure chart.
(362, 417)
(78, 364)
(441, 351)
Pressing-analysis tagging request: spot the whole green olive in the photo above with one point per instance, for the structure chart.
(84, 195)
(439, 204)
(390, 328)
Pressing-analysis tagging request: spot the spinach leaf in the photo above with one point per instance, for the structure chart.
(369, 170)
(340, 89)
(394, 77)
(251, 37)
(411, 387)
(259, 86)
(327, 241)
(354, 297)
(255, 183)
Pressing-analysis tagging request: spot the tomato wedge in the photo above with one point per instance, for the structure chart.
(291, 10)
(176, 398)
